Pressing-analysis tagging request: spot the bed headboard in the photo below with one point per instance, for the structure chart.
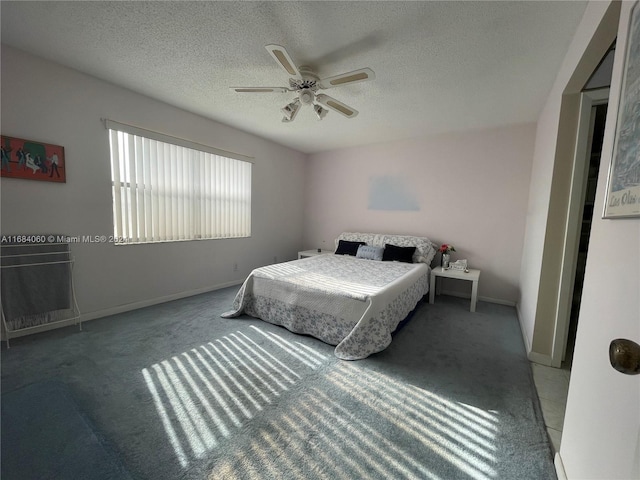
(425, 248)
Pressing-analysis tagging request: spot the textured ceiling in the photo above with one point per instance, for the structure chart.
(440, 66)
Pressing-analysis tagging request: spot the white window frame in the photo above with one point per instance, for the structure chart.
(167, 189)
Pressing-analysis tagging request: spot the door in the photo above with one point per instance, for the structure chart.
(601, 431)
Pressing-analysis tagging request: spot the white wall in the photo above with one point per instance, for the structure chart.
(601, 432)
(471, 190)
(45, 102)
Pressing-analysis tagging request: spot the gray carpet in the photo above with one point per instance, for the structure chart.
(176, 392)
(41, 427)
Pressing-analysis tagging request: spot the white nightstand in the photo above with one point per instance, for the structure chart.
(472, 275)
(312, 253)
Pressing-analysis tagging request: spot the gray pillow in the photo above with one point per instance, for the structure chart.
(369, 252)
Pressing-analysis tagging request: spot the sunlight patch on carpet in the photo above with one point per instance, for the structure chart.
(464, 438)
(247, 389)
(201, 394)
(361, 439)
(343, 446)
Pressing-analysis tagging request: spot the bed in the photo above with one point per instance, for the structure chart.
(349, 300)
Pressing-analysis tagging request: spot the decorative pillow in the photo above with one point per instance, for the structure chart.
(369, 252)
(425, 248)
(348, 248)
(393, 253)
(366, 238)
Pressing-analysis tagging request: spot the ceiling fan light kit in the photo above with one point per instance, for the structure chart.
(320, 112)
(290, 111)
(306, 84)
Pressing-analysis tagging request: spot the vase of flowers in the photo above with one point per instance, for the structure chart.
(445, 250)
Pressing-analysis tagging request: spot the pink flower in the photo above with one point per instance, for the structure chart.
(446, 248)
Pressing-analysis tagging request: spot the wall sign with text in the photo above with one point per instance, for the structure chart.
(623, 187)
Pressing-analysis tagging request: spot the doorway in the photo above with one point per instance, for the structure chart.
(596, 137)
(588, 150)
(582, 189)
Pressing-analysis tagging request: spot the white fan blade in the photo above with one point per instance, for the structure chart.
(336, 105)
(349, 78)
(281, 56)
(260, 89)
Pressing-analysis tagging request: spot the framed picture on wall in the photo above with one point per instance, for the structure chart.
(623, 186)
(32, 160)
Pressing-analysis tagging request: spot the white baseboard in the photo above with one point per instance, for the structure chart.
(484, 299)
(39, 328)
(534, 357)
(498, 301)
(154, 301)
(560, 472)
(119, 309)
(525, 337)
(540, 358)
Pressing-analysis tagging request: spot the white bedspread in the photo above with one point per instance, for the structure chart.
(345, 301)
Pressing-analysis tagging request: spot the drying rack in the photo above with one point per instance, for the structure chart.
(37, 281)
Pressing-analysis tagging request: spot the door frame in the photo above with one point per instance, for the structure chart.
(581, 159)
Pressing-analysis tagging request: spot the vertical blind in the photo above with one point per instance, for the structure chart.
(165, 192)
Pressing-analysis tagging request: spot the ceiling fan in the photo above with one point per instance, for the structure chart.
(306, 84)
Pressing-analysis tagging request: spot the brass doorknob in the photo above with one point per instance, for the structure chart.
(624, 356)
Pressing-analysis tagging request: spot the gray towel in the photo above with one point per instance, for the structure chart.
(34, 288)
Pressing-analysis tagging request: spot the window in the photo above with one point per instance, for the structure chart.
(166, 189)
